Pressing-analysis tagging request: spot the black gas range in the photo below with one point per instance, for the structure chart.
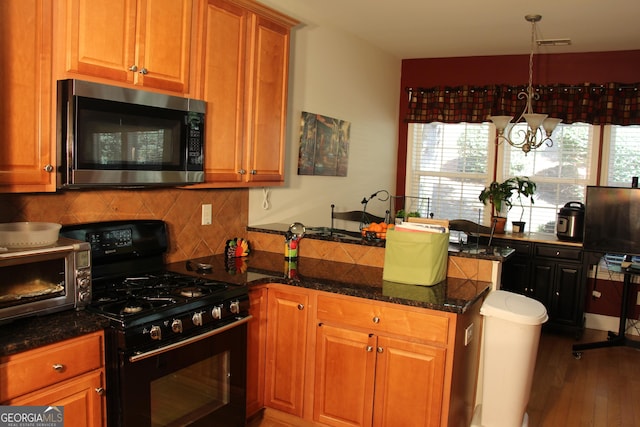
(170, 330)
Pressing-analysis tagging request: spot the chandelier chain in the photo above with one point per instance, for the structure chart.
(530, 87)
(539, 126)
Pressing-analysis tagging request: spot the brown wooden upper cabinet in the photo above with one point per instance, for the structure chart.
(234, 54)
(144, 43)
(27, 144)
(245, 57)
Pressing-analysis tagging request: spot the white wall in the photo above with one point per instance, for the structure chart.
(334, 74)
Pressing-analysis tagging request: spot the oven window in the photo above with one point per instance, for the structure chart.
(27, 282)
(191, 393)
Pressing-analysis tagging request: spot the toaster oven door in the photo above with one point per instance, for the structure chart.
(36, 284)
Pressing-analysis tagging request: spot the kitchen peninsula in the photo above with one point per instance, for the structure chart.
(334, 305)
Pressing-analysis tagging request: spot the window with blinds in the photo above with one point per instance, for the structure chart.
(623, 163)
(561, 173)
(449, 165)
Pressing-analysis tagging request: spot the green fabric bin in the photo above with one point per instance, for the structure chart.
(416, 257)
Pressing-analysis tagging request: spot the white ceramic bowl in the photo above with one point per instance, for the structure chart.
(15, 235)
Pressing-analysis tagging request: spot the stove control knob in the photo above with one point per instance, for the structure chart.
(84, 296)
(234, 307)
(156, 333)
(176, 326)
(216, 312)
(84, 283)
(197, 318)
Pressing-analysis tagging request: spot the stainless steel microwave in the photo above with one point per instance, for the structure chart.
(43, 280)
(121, 137)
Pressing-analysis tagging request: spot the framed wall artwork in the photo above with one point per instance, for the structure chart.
(324, 145)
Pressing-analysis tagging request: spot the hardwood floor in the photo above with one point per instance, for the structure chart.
(602, 389)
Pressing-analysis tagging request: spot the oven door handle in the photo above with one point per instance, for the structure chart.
(146, 355)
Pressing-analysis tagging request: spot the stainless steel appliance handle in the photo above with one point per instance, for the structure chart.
(188, 341)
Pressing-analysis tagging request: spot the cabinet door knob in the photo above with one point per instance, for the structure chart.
(133, 68)
(557, 253)
(380, 349)
(300, 306)
(376, 319)
(369, 349)
(253, 172)
(242, 171)
(48, 168)
(143, 71)
(58, 367)
(100, 391)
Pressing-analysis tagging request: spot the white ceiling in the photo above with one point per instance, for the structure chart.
(450, 28)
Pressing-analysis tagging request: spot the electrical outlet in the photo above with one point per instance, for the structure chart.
(468, 334)
(596, 294)
(206, 214)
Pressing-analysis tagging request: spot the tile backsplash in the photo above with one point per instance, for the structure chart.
(179, 208)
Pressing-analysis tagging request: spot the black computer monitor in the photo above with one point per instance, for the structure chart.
(612, 220)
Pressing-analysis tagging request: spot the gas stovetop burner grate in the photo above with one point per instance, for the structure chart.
(146, 293)
(135, 306)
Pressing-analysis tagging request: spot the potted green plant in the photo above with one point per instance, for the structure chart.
(523, 187)
(500, 194)
(404, 214)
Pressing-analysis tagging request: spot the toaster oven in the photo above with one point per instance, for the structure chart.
(41, 280)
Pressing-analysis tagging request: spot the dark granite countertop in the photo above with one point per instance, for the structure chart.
(452, 295)
(27, 333)
(341, 236)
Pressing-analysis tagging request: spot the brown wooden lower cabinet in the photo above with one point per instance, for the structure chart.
(69, 374)
(337, 360)
(83, 404)
(363, 379)
(287, 326)
(256, 349)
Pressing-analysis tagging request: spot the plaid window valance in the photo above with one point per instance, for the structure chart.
(611, 103)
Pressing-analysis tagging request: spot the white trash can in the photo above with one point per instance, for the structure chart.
(512, 324)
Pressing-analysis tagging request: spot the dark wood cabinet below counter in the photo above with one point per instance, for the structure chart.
(553, 274)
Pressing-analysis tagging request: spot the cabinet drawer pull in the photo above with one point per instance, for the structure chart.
(58, 367)
(380, 349)
(369, 349)
(376, 319)
(557, 253)
(300, 306)
(100, 391)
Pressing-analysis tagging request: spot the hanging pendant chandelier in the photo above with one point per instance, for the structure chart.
(539, 126)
